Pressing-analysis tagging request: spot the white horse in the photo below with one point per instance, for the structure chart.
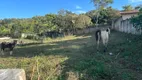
(102, 35)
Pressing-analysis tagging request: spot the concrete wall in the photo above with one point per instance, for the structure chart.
(125, 26)
(91, 29)
(12, 74)
(124, 17)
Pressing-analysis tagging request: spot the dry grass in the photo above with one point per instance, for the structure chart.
(76, 58)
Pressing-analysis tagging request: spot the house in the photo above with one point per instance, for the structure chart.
(128, 14)
(123, 23)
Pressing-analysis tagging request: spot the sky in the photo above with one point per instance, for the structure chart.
(30, 8)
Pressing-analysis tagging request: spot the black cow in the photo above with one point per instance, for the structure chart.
(9, 45)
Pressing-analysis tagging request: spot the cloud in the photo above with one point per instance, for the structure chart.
(134, 1)
(80, 11)
(78, 7)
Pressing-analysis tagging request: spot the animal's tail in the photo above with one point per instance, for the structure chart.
(98, 35)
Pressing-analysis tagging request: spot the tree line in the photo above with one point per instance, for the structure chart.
(63, 21)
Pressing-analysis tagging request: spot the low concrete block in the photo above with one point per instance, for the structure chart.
(12, 74)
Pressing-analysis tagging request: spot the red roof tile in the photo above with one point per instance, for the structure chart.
(129, 12)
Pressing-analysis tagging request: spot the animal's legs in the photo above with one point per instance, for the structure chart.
(2, 51)
(105, 44)
(11, 52)
(98, 44)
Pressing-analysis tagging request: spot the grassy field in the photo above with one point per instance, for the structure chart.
(76, 58)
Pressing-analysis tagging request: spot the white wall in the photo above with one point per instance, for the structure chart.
(124, 17)
(125, 26)
(117, 24)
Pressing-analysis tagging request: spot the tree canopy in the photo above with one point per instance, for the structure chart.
(127, 8)
(99, 5)
(62, 21)
(106, 15)
(50, 22)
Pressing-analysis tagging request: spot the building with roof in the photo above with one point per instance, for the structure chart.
(123, 22)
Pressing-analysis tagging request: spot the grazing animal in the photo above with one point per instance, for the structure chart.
(102, 35)
(9, 45)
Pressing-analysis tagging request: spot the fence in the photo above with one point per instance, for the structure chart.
(126, 26)
(90, 29)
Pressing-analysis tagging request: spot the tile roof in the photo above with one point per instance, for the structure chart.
(129, 12)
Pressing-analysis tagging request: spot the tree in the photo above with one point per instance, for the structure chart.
(112, 14)
(107, 15)
(127, 8)
(82, 21)
(137, 20)
(91, 13)
(64, 20)
(100, 4)
(138, 7)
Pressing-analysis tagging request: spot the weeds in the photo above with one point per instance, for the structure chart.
(76, 58)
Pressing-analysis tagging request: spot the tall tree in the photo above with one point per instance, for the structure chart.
(138, 7)
(65, 19)
(107, 15)
(112, 14)
(100, 4)
(127, 8)
(91, 13)
(82, 21)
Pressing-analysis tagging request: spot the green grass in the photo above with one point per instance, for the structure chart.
(76, 57)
